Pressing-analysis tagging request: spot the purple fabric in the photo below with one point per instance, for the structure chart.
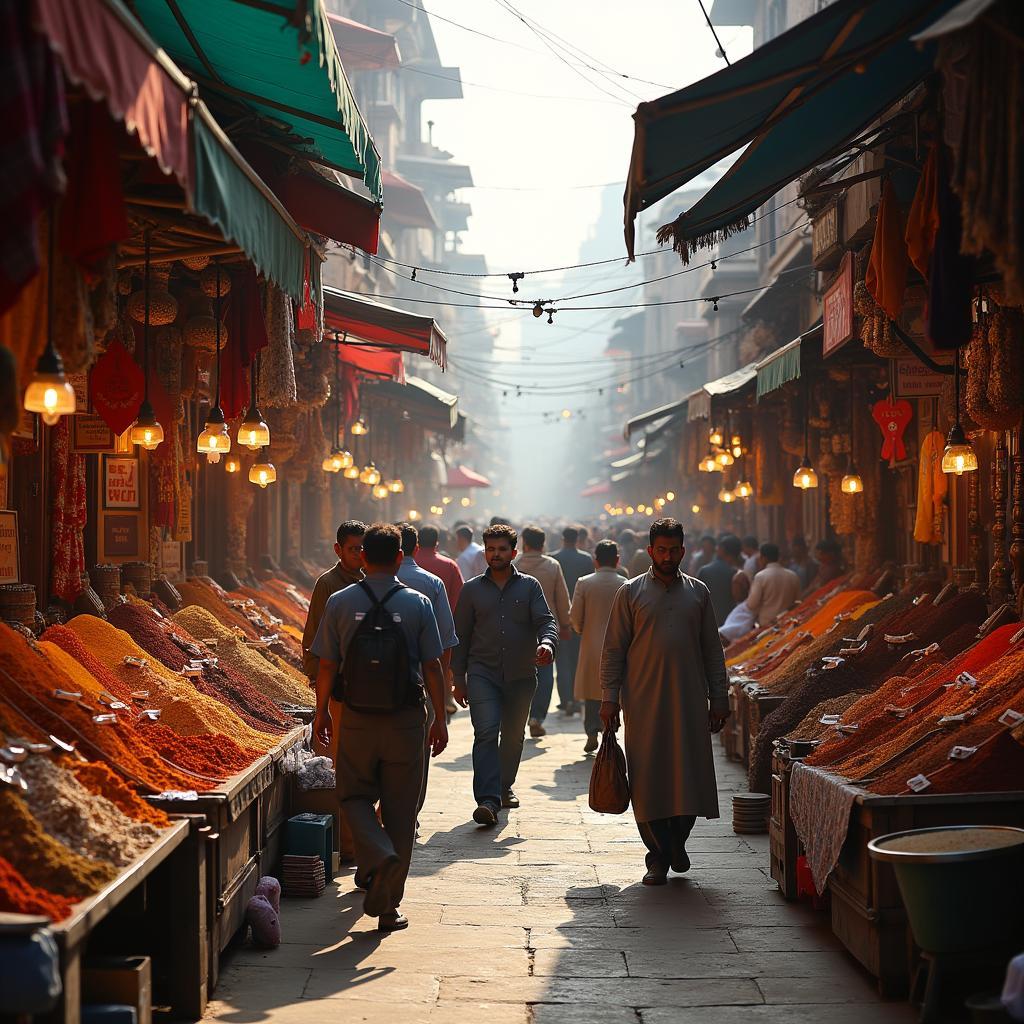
(270, 888)
(264, 922)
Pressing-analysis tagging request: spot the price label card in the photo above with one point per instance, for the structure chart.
(1010, 717)
(959, 753)
(918, 783)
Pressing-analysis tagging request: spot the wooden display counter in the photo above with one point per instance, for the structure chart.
(867, 912)
(244, 818)
(155, 907)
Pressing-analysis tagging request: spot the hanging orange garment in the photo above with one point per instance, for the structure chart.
(923, 217)
(886, 276)
(931, 491)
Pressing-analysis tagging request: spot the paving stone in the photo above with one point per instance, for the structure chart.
(543, 920)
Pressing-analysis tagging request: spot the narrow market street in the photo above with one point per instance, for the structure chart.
(544, 919)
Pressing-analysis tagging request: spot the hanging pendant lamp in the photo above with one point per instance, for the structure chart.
(146, 432)
(253, 432)
(852, 483)
(262, 474)
(805, 478)
(339, 458)
(959, 456)
(49, 392)
(215, 440)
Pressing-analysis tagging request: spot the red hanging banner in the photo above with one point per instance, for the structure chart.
(893, 418)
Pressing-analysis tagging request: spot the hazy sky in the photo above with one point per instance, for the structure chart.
(540, 138)
(567, 132)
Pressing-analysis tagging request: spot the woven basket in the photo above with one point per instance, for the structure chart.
(201, 327)
(18, 603)
(196, 262)
(163, 306)
(139, 576)
(208, 282)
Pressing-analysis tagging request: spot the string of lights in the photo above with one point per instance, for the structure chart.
(439, 272)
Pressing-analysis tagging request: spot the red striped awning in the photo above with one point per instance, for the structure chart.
(363, 48)
(361, 319)
(405, 202)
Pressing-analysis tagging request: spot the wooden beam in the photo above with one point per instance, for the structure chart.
(179, 254)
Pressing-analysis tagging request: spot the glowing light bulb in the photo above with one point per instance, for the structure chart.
(743, 489)
(359, 428)
(805, 478)
(465, 502)
(726, 496)
(413, 515)
(695, 509)
(146, 432)
(262, 474)
(715, 438)
(380, 491)
(959, 456)
(670, 495)
(724, 458)
(566, 413)
(232, 464)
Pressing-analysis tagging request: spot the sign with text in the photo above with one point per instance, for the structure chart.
(9, 572)
(90, 434)
(80, 382)
(121, 536)
(121, 483)
(170, 557)
(915, 380)
(825, 244)
(837, 310)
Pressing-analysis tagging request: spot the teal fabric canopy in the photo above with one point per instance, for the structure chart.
(782, 366)
(793, 102)
(278, 58)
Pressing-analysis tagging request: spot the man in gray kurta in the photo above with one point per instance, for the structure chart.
(663, 661)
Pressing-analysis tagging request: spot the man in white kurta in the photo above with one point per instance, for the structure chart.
(664, 667)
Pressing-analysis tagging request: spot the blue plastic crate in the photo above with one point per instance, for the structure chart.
(308, 835)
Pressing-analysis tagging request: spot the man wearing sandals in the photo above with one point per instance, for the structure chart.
(663, 661)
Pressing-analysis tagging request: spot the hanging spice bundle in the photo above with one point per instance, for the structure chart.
(994, 396)
(277, 389)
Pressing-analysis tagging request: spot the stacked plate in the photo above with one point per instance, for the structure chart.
(302, 876)
(750, 813)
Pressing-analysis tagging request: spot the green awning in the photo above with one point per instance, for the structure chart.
(784, 364)
(793, 102)
(229, 198)
(277, 58)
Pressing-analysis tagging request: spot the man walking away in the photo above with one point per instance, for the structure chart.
(348, 570)
(445, 568)
(751, 557)
(705, 555)
(639, 563)
(664, 662)
(774, 589)
(543, 568)
(470, 560)
(505, 631)
(802, 564)
(380, 622)
(575, 564)
(718, 575)
(591, 606)
(431, 587)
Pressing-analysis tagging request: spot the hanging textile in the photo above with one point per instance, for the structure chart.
(93, 217)
(68, 514)
(886, 276)
(117, 385)
(932, 485)
(277, 367)
(950, 274)
(923, 217)
(35, 123)
(247, 335)
(984, 87)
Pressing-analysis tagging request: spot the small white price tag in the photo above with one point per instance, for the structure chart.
(1010, 717)
(830, 719)
(959, 753)
(918, 783)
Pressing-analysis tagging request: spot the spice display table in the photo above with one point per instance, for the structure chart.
(244, 816)
(164, 893)
(867, 913)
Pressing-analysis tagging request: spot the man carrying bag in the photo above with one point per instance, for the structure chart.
(377, 643)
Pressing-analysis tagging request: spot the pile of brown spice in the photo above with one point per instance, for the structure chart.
(19, 896)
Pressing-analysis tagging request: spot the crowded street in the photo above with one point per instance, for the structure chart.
(543, 920)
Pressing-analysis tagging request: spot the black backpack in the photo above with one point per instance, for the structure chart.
(376, 675)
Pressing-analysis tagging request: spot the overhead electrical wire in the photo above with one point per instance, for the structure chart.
(721, 48)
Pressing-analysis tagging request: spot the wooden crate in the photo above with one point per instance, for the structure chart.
(738, 722)
(243, 818)
(867, 912)
(759, 707)
(783, 842)
(156, 907)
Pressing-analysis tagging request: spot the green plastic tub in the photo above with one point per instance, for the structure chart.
(962, 885)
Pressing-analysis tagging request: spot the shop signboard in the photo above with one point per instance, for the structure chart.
(121, 483)
(837, 310)
(9, 547)
(80, 382)
(170, 557)
(91, 435)
(915, 380)
(825, 242)
(121, 535)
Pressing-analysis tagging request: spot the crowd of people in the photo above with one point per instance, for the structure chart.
(413, 623)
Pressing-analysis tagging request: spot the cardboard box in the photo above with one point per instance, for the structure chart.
(124, 980)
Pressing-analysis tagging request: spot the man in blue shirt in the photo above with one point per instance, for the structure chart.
(505, 631)
(380, 756)
(432, 588)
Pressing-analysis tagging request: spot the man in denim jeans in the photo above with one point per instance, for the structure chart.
(505, 631)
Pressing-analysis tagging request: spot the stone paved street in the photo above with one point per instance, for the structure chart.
(544, 920)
